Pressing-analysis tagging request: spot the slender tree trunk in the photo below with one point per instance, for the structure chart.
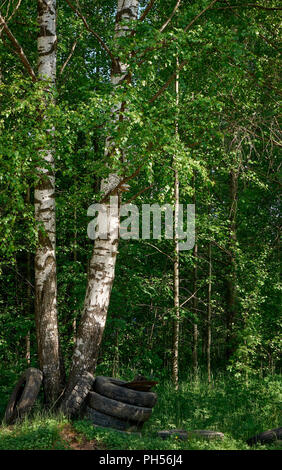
(116, 355)
(44, 198)
(209, 313)
(29, 307)
(75, 260)
(150, 340)
(176, 286)
(176, 322)
(231, 282)
(103, 260)
(195, 299)
(29, 293)
(195, 306)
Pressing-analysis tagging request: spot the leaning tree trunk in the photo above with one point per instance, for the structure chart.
(102, 264)
(44, 199)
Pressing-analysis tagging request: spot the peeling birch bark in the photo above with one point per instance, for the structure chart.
(102, 265)
(44, 200)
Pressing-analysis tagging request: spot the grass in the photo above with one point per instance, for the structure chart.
(236, 409)
(41, 432)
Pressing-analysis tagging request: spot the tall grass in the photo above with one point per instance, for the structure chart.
(227, 405)
(237, 409)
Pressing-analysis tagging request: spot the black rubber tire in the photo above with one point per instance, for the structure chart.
(24, 395)
(109, 387)
(118, 409)
(106, 421)
(72, 404)
(266, 437)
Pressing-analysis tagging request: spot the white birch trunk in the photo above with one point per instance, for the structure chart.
(44, 199)
(103, 260)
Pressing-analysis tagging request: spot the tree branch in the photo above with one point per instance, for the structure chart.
(168, 82)
(69, 57)
(163, 43)
(171, 16)
(189, 298)
(160, 251)
(138, 194)
(18, 49)
(120, 184)
(269, 42)
(147, 9)
(250, 5)
(260, 34)
(173, 76)
(99, 39)
(13, 13)
(199, 15)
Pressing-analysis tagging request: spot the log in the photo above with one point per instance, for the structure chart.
(184, 435)
(205, 434)
(179, 433)
(266, 437)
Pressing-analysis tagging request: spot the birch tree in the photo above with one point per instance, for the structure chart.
(102, 264)
(44, 198)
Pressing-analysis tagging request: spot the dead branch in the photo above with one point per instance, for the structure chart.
(160, 251)
(69, 57)
(139, 193)
(168, 82)
(199, 15)
(99, 39)
(173, 76)
(12, 14)
(250, 5)
(147, 9)
(171, 16)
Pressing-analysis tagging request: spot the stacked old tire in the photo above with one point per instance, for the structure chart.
(112, 404)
